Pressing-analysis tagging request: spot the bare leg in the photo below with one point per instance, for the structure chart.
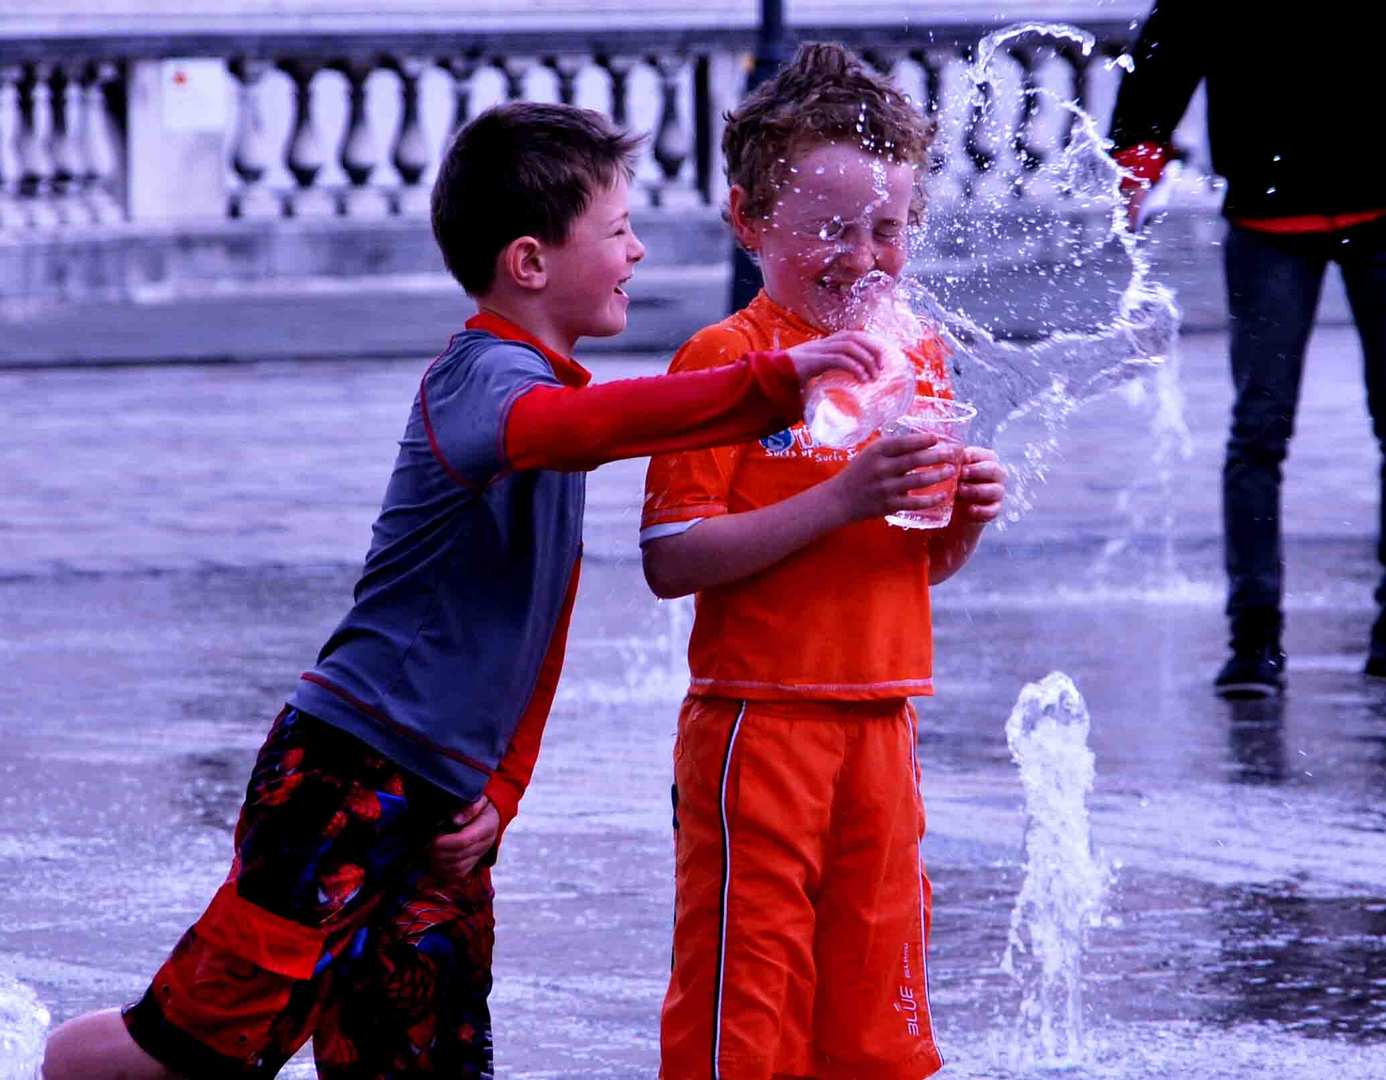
(97, 1047)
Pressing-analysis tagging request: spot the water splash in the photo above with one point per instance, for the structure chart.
(993, 244)
(23, 1031)
(1065, 884)
(989, 46)
(1150, 507)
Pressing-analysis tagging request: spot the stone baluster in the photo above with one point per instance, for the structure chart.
(411, 154)
(250, 148)
(68, 174)
(726, 75)
(306, 153)
(9, 158)
(931, 73)
(35, 140)
(463, 70)
(618, 69)
(1029, 143)
(1050, 84)
(992, 133)
(883, 60)
(950, 90)
(360, 150)
(1099, 84)
(516, 70)
(98, 149)
(979, 145)
(565, 69)
(931, 64)
(672, 141)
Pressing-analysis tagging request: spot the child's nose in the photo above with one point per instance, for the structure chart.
(859, 256)
(637, 249)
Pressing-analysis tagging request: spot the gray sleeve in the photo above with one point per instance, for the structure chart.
(466, 404)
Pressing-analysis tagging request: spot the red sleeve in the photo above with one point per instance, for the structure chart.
(1145, 161)
(507, 784)
(574, 429)
(688, 485)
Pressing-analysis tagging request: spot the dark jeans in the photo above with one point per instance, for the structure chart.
(1273, 286)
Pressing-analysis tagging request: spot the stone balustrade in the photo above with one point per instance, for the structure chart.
(59, 143)
(293, 156)
(103, 130)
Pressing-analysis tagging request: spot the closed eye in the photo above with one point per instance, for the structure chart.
(832, 230)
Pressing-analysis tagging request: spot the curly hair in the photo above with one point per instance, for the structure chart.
(824, 95)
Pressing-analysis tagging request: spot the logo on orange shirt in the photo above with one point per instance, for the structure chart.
(796, 442)
(779, 442)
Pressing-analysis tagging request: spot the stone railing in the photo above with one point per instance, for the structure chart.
(290, 158)
(104, 130)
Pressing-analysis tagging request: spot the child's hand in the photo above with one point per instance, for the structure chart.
(851, 351)
(981, 487)
(879, 479)
(454, 855)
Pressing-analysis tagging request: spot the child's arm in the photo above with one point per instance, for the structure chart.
(482, 823)
(569, 429)
(729, 547)
(981, 490)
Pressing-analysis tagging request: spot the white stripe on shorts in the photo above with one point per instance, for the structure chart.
(726, 893)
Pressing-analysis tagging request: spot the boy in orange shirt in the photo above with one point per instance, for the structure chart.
(802, 906)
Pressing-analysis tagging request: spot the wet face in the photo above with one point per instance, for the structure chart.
(586, 274)
(842, 214)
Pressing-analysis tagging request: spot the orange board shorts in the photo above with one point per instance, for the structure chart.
(802, 907)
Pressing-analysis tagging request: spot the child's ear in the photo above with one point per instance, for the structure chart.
(522, 260)
(746, 229)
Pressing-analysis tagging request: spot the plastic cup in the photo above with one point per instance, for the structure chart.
(950, 421)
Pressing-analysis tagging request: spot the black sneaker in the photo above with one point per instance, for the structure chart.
(1253, 673)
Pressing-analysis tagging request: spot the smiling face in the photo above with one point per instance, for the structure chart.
(841, 213)
(584, 292)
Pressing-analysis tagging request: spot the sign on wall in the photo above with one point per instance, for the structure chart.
(194, 95)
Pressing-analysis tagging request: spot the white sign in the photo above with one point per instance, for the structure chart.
(194, 94)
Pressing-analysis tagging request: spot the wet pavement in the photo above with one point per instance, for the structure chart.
(175, 542)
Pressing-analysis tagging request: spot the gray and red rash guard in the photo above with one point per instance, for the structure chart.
(449, 658)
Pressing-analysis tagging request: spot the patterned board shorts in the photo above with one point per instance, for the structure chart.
(329, 927)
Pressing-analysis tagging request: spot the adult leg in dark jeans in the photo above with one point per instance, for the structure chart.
(1273, 285)
(1361, 253)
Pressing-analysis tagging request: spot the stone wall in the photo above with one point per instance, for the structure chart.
(18, 17)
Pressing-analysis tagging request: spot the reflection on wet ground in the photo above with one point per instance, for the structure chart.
(1248, 839)
(1309, 965)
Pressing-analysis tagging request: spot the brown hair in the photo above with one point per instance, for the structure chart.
(521, 169)
(824, 95)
